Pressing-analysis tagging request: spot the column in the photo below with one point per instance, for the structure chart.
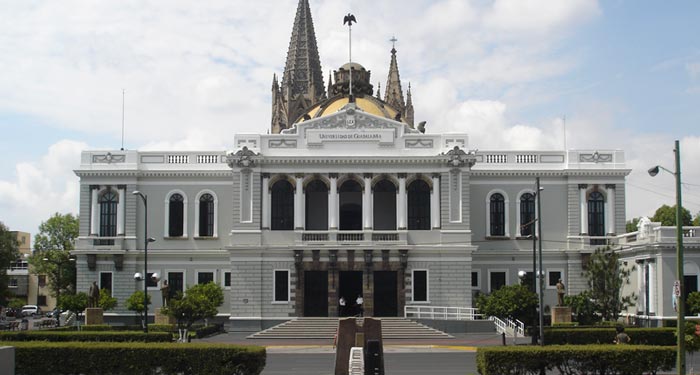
(584, 208)
(121, 204)
(641, 288)
(652, 287)
(401, 202)
(94, 211)
(298, 202)
(333, 202)
(265, 201)
(435, 202)
(610, 208)
(367, 202)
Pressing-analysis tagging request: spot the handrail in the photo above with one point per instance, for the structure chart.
(441, 312)
(509, 327)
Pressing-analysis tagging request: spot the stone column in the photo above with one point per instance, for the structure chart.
(299, 202)
(610, 208)
(333, 202)
(266, 201)
(584, 208)
(435, 202)
(401, 202)
(94, 210)
(367, 202)
(652, 287)
(121, 204)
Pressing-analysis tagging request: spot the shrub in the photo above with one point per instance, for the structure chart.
(588, 359)
(64, 336)
(136, 358)
(585, 336)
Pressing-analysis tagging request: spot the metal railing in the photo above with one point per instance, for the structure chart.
(441, 312)
(509, 327)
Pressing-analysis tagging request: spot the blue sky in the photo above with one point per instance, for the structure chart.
(624, 74)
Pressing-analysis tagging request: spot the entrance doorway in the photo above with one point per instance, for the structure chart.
(315, 293)
(690, 282)
(350, 286)
(385, 293)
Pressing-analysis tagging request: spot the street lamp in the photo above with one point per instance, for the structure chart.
(146, 240)
(59, 264)
(679, 287)
(540, 275)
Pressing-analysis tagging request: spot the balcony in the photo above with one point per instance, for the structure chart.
(335, 237)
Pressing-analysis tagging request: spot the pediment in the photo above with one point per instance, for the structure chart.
(350, 118)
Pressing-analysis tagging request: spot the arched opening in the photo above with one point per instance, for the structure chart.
(384, 205)
(418, 205)
(497, 211)
(176, 217)
(316, 206)
(282, 202)
(206, 215)
(350, 204)
(108, 213)
(596, 214)
(527, 214)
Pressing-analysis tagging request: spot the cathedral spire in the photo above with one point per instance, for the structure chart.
(302, 81)
(408, 112)
(393, 94)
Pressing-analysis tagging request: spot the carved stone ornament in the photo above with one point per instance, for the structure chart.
(244, 158)
(108, 158)
(596, 157)
(457, 158)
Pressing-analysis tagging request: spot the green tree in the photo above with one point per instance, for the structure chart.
(631, 225)
(605, 282)
(511, 301)
(693, 303)
(135, 303)
(106, 301)
(583, 307)
(666, 215)
(696, 221)
(8, 254)
(53, 243)
(77, 302)
(199, 302)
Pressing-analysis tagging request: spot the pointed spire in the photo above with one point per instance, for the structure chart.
(393, 94)
(302, 81)
(330, 84)
(379, 90)
(408, 113)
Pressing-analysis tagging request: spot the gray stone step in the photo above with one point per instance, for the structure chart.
(325, 328)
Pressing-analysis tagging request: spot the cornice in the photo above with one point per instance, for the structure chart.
(118, 173)
(550, 173)
(352, 160)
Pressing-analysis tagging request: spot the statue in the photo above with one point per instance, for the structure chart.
(560, 293)
(93, 295)
(165, 293)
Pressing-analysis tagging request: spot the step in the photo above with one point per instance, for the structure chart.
(325, 328)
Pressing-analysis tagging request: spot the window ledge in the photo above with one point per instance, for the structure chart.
(524, 238)
(420, 303)
(497, 238)
(280, 302)
(206, 237)
(176, 238)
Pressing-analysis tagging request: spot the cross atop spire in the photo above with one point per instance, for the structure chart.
(393, 41)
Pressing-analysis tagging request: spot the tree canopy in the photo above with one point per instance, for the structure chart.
(510, 301)
(199, 302)
(53, 243)
(666, 215)
(605, 282)
(631, 225)
(8, 253)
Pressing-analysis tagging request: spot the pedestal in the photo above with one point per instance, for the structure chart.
(94, 316)
(162, 318)
(561, 314)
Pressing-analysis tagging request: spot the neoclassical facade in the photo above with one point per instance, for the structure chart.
(344, 198)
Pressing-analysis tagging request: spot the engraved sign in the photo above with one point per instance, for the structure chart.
(320, 136)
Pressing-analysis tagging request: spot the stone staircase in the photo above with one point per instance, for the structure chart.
(325, 328)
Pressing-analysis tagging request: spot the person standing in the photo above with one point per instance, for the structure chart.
(359, 301)
(341, 308)
(621, 337)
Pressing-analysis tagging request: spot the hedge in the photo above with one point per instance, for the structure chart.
(64, 336)
(575, 359)
(584, 336)
(198, 330)
(136, 358)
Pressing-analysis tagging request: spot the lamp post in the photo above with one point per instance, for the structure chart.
(679, 287)
(146, 240)
(540, 275)
(59, 264)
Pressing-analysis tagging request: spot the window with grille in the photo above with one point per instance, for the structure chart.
(418, 205)
(527, 214)
(596, 214)
(497, 210)
(176, 216)
(206, 215)
(282, 202)
(108, 214)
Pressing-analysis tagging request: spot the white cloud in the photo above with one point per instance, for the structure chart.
(42, 187)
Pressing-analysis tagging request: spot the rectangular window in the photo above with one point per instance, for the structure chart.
(205, 277)
(420, 286)
(227, 279)
(497, 280)
(151, 282)
(106, 281)
(553, 278)
(13, 283)
(475, 279)
(176, 283)
(41, 279)
(281, 281)
(41, 300)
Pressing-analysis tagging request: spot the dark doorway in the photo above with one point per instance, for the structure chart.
(350, 287)
(385, 293)
(175, 283)
(350, 203)
(690, 282)
(316, 293)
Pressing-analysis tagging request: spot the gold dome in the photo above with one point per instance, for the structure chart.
(366, 103)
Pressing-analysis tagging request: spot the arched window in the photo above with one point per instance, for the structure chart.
(596, 214)
(384, 205)
(176, 217)
(316, 205)
(108, 213)
(350, 204)
(282, 215)
(527, 214)
(418, 205)
(497, 212)
(206, 215)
